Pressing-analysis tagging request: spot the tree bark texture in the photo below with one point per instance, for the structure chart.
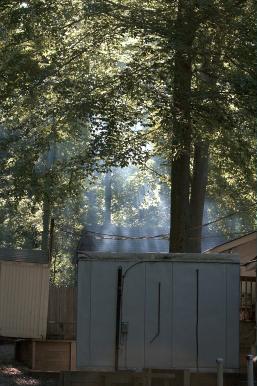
(197, 197)
(182, 129)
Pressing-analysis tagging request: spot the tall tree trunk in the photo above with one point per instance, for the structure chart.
(46, 223)
(107, 198)
(198, 189)
(50, 159)
(207, 82)
(179, 203)
(182, 130)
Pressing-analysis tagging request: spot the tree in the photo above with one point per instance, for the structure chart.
(88, 86)
(54, 103)
(185, 72)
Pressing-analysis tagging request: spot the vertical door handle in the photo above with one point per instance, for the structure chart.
(158, 314)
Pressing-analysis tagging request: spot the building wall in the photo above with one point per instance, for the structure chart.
(24, 291)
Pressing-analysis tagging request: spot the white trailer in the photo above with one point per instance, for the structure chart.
(159, 311)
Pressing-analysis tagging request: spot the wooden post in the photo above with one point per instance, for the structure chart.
(219, 372)
(186, 377)
(72, 356)
(250, 379)
(149, 377)
(33, 355)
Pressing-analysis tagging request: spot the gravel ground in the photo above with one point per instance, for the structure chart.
(14, 374)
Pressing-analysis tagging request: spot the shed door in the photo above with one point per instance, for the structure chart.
(184, 315)
(146, 332)
(131, 353)
(212, 314)
(199, 314)
(158, 330)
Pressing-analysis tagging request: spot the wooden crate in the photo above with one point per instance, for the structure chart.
(47, 355)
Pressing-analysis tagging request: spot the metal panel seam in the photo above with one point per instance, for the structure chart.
(145, 271)
(44, 300)
(171, 315)
(226, 313)
(90, 313)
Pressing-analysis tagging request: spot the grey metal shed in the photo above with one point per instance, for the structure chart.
(165, 311)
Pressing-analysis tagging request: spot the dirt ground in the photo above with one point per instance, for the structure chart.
(14, 374)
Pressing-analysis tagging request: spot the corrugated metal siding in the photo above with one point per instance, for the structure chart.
(24, 289)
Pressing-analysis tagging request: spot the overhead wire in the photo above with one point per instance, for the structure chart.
(104, 236)
(165, 236)
(225, 217)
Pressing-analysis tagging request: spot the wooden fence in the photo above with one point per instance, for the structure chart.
(62, 313)
(248, 296)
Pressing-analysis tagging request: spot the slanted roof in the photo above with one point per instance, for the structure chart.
(246, 247)
(228, 245)
(24, 255)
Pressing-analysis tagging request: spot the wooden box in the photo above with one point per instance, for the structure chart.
(47, 355)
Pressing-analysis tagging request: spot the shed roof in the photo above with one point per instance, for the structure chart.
(164, 257)
(24, 255)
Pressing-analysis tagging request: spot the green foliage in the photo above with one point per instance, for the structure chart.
(139, 199)
(88, 86)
